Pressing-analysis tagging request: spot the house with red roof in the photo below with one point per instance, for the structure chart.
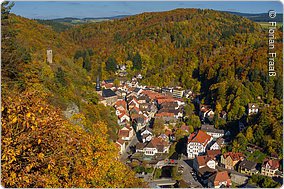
(133, 103)
(198, 143)
(126, 133)
(123, 118)
(219, 179)
(120, 104)
(215, 153)
(270, 167)
(155, 146)
(200, 162)
(230, 159)
(121, 145)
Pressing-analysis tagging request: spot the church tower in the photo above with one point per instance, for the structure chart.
(98, 85)
(49, 56)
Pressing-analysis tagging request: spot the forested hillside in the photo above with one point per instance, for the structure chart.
(221, 56)
(40, 146)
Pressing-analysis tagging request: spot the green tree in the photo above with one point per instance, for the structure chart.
(111, 64)
(60, 76)
(87, 62)
(137, 62)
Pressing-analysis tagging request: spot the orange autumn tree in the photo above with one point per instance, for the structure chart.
(40, 149)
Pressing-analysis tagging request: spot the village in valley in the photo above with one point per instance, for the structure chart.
(155, 141)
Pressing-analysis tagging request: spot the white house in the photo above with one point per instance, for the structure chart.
(121, 145)
(146, 135)
(123, 118)
(212, 131)
(253, 108)
(126, 133)
(155, 146)
(204, 161)
(133, 103)
(219, 179)
(218, 144)
(198, 143)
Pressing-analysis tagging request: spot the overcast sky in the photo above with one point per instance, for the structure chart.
(81, 9)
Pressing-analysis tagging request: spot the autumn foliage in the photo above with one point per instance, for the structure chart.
(40, 149)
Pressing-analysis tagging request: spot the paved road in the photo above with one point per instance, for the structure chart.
(231, 171)
(187, 176)
(127, 151)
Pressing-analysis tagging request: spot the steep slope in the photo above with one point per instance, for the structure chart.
(40, 146)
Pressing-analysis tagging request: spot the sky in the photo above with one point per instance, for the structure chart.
(95, 9)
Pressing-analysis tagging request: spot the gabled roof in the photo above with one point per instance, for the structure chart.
(253, 106)
(120, 141)
(151, 94)
(273, 163)
(108, 93)
(133, 101)
(135, 109)
(213, 152)
(236, 156)
(156, 142)
(200, 137)
(248, 164)
(146, 128)
(202, 160)
(164, 100)
(123, 133)
(211, 128)
(220, 177)
(220, 141)
(120, 103)
(123, 113)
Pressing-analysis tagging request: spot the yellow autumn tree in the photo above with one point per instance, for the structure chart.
(41, 149)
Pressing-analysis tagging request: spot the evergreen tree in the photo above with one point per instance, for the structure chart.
(111, 64)
(137, 62)
(87, 62)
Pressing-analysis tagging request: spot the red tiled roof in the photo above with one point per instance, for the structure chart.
(273, 163)
(122, 114)
(136, 109)
(120, 103)
(213, 152)
(120, 141)
(221, 177)
(200, 137)
(128, 127)
(123, 133)
(234, 155)
(151, 94)
(163, 100)
(158, 141)
(202, 160)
